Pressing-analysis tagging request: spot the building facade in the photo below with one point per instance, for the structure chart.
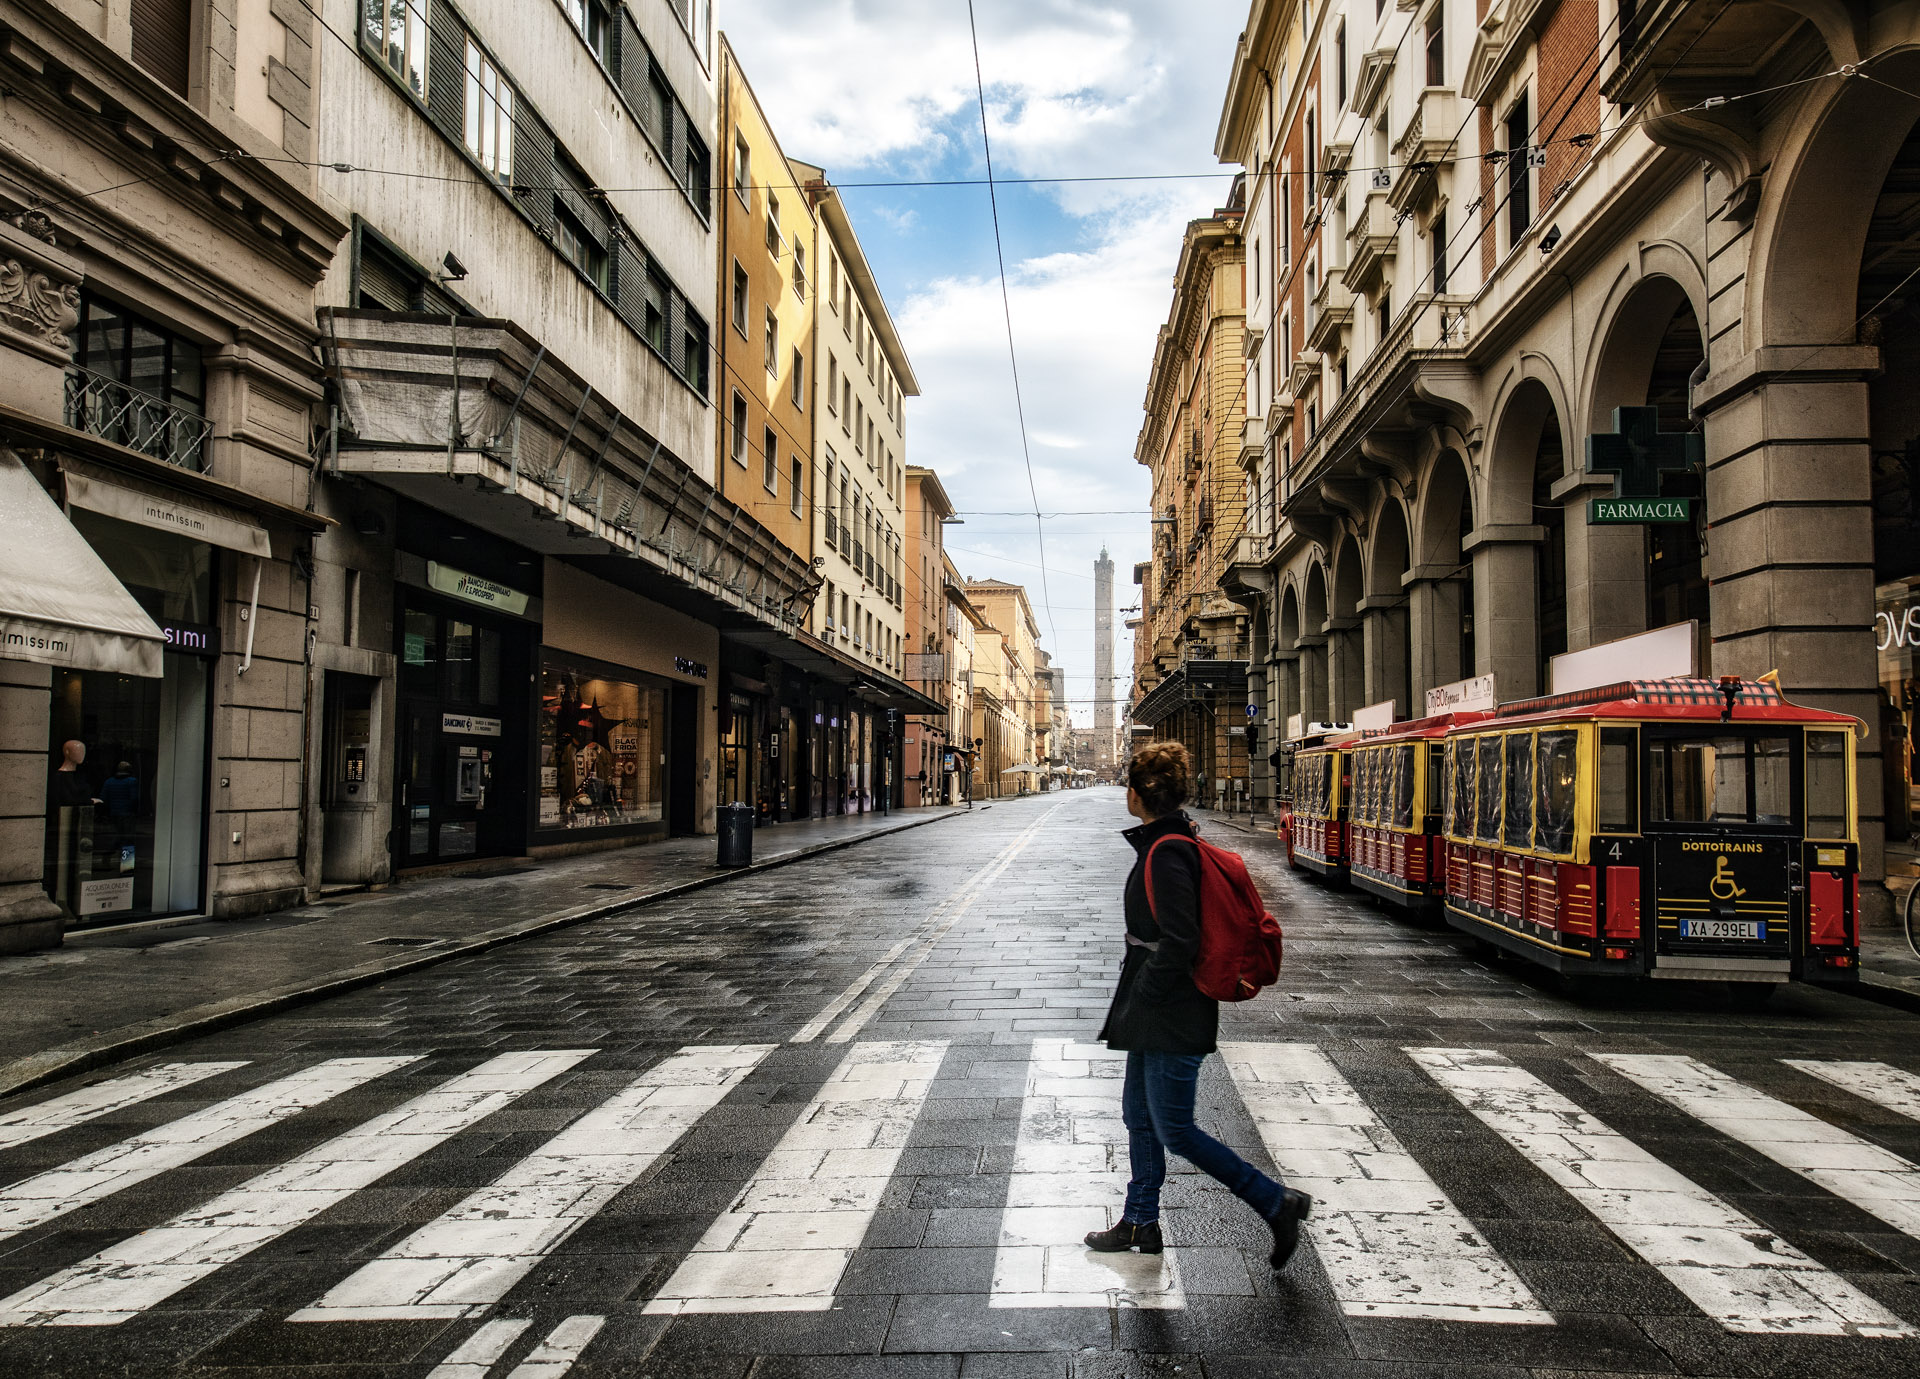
(932, 624)
(1483, 236)
(1191, 685)
(1005, 694)
(159, 393)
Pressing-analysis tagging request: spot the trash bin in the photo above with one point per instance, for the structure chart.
(736, 835)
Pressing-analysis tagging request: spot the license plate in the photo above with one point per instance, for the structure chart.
(1724, 928)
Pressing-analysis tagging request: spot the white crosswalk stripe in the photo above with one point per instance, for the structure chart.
(85, 1180)
(1393, 1244)
(1875, 1179)
(103, 1098)
(1070, 1177)
(787, 1239)
(124, 1280)
(1734, 1269)
(1894, 1088)
(470, 1258)
(475, 1356)
(555, 1355)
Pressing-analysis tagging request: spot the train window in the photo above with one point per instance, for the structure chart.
(1619, 810)
(1436, 800)
(1745, 778)
(1827, 813)
(1403, 759)
(1555, 770)
(1460, 796)
(1486, 814)
(1519, 792)
(1376, 781)
(1358, 806)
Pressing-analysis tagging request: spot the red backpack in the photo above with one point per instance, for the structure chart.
(1240, 940)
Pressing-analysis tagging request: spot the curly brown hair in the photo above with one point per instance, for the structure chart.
(1161, 773)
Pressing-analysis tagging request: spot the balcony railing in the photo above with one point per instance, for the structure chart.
(109, 409)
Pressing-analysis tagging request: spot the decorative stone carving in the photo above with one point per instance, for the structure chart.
(36, 223)
(32, 303)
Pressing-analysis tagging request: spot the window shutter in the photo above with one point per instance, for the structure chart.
(162, 37)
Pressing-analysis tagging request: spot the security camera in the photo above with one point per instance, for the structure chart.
(1550, 240)
(451, 269)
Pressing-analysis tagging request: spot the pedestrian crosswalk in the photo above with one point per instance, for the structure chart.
(1392, 1242)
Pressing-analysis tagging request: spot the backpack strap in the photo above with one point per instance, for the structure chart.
(1146, 867)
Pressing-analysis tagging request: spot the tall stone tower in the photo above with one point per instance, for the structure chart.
(1105, 742)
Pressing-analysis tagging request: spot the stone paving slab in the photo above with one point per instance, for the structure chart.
(109, 995)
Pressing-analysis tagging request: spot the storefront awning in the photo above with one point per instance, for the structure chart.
(59, 603)
(151, 505)
(809, 654)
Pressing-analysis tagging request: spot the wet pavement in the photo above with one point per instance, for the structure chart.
(844, 1118)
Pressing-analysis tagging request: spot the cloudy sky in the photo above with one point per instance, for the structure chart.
(882, 91)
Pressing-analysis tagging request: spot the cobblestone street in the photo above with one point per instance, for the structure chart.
(843, 1118)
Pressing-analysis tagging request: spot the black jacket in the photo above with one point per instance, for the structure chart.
(1157, 1008)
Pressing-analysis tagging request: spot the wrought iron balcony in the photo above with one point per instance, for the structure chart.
(109, 409)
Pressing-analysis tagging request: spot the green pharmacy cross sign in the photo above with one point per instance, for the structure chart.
(1637, 452)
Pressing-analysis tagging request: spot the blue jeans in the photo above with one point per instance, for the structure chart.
(1156, 1106)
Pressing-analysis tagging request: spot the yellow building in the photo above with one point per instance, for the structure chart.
(766, 306)
(1191, 653)
(1004, 688)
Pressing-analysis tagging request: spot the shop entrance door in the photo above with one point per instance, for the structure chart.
(462, 747)
(683, 754)
(352, 820)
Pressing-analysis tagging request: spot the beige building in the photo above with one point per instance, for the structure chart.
(861, 381)
(1466, 256)
(1005, 691)
(1191, 682)
(160, 395)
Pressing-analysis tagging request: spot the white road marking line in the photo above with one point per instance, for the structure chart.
(923, 940)
(554, 1356)
(1393, 1244)
(468, 1259)
(477, 1354)
(1734, 1269)
(77, 1108)
(786, 1240)
(1874, 1179)
(1070, 1176)
(124, 1280)
(85, 1180)
(1893, 1088)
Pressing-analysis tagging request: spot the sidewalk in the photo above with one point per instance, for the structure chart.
(107, 996)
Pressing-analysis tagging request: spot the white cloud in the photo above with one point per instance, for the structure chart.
(1074, 88)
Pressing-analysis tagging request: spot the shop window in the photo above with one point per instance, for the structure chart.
(127, 755)
(602, 750)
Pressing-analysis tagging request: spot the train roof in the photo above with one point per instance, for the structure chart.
(1680, 698)
(1435, 725)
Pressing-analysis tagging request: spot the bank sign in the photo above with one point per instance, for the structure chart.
(1637, 453)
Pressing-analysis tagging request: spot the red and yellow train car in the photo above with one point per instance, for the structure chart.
(1313, 823)
(1681, 828)
(1393, 813)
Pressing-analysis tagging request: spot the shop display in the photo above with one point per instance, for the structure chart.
(602, 750)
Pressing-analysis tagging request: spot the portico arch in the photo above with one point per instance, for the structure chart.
(1286, 654)
(1313, 644)
(1346, 644)
(1439, 582)
(1519, 553)
(1384, 609)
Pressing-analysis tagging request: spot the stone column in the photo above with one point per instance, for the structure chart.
(28, 919)
(1346, 667)
(1791, 562)
(1385, 622)
(1606, 569)
(1433, 604)
(1313, 678)
(1506, 614)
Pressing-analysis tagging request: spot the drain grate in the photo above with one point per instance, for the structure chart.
(398, 942)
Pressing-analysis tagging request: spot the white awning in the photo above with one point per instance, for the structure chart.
(198, 519)
(59, 603)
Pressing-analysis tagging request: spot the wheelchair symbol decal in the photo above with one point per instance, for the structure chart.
(1723, 886)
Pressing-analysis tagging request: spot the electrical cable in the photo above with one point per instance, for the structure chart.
(1006, 309)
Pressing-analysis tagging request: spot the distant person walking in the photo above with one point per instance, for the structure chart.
(1166, 1026)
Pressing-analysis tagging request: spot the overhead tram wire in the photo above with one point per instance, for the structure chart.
(1006, 310)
